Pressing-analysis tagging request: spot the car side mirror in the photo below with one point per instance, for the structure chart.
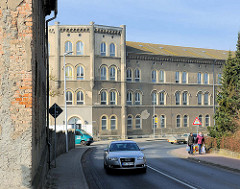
(142, 149)
(105, 150)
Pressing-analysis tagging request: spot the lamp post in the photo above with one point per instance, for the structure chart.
(65, 97)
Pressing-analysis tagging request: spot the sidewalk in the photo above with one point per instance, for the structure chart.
(68, 172)
(212, 159)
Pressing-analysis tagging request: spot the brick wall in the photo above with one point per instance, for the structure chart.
(22, 94)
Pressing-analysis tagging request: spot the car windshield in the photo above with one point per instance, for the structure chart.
(123, 147)
(84, 132)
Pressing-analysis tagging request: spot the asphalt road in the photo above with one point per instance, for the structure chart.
(164, 171)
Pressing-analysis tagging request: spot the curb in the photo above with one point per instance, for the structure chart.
(212, 164)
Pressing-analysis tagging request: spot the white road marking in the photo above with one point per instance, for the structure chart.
(177, 180)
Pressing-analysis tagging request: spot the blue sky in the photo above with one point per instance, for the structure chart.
(210, 24)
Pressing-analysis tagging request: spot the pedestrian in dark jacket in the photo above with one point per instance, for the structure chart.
(200, 141)
(191, 142)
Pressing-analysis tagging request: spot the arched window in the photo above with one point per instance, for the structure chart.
(137, 98)
(103, 49)
(68, 73)
(129, 98)
(161, 98)
(161, 76)
(113, 122)
(112, 73)
(154, 121)
(113, 98)
(154, 76)
(199, 96)
(184, 98)
(206, 99)
(138, 122)
(185, 120)
(112, 49)
(137, 75)
(129, 75)
(103, 73)
(103, 97)
(184, 77)
(79, 48)
(178, 121)
(177, 95)
(104, 122)
(68, 47)
(80, 97)
(199, 78)
(129, 122)
(207, 120)
(177, 77)
(205, 78)
(69, 97)
(200, 119)
(162, 121)
(80, 73)
(154, 98)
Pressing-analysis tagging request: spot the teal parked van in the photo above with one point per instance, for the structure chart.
(82, 137)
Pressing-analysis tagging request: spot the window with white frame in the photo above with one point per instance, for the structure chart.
(154, 98)
(129, 98)
(80, 48)
(129, 75)
(104, 122)
(129, 122)
(161, 76)
(103, 73)
(177, 96)
(112, 73)
(200, 119)
(184, 98)
(177, 77)
(103, 49)
(137, 75)
(161, 98)
(113, 98)
(69, 73)
(112, 49)
(80, 73)
(154, 121)
(205, 78)
(185, 120)
(199, 78)
(68, 47)
(154, 76)
(103, 97)
(138, 122)
(69, 99)
(207, 120)
(219, 79)
(113, 122)
(206, 99)
(184, 77)
(162, 121)
(80, 98)
(178, 121)
(199, 97)
(137, 98)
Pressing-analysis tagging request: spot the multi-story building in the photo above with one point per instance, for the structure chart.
(117, 88)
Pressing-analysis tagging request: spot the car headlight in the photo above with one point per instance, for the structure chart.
(113, 158)
(140, 158)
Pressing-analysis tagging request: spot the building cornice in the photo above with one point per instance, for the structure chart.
(107, 31)
(164, 58)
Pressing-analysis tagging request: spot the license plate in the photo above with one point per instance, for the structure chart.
(127, 163)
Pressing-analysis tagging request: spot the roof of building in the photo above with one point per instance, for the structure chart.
(169, 50)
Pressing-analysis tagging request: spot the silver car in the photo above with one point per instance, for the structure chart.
(124, 155)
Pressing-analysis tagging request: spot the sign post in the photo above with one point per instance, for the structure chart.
(197, 122)
(55, 111)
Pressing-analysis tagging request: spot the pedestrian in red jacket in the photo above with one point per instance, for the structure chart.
(200, 141)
